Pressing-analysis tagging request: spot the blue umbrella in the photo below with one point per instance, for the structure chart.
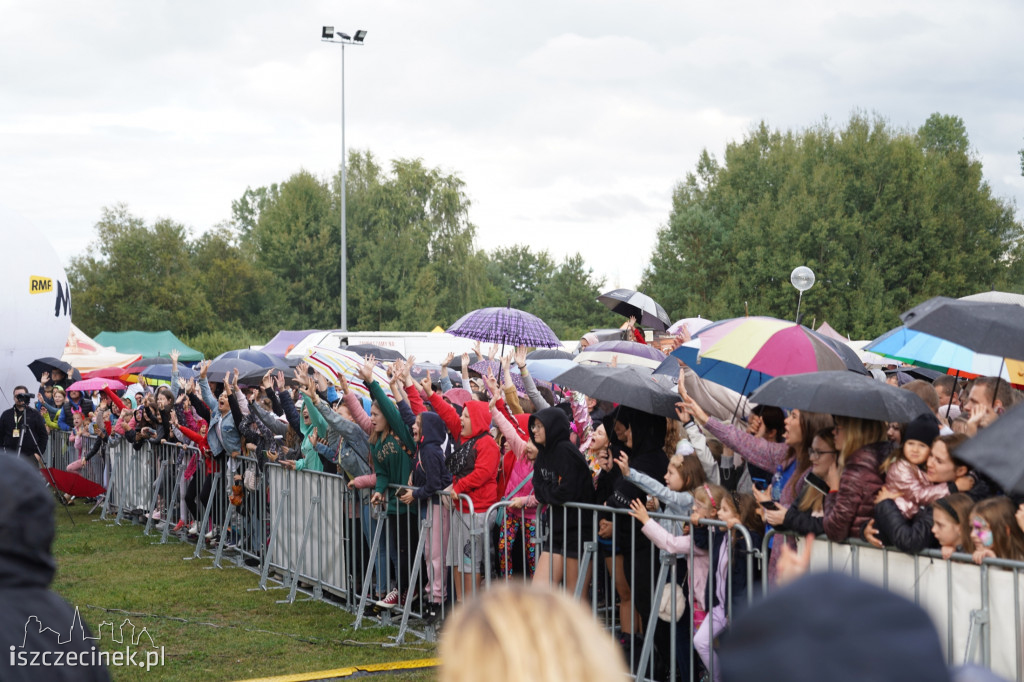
(735, 377)
(547, 370)
(163, 372)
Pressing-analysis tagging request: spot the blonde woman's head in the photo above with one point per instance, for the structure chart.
(519, 632)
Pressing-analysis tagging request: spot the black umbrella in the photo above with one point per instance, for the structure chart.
(849, 356)
(549, 354)
(629, 303)
(995, 451)
(221, 368)
(632, 386)
(49, 364)
(841, 393)
(922, 373)
(457, 362)
(364, 349)
(992, 328)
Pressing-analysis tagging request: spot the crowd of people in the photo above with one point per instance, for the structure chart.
(425, 448)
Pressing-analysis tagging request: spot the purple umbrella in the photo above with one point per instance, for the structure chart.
(495, 366)
(628, 352)
(506, 326)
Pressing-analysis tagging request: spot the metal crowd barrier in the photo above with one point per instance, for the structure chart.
(977, 610)
(619, 564)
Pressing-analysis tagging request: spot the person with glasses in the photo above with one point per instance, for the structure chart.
(22, 429)
(807, 513)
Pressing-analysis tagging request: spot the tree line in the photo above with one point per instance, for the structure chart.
(411, 260)
(885, 217)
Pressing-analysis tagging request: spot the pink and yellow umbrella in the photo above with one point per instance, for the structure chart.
(765, 344)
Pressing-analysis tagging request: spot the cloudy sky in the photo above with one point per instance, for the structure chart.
(569, 121)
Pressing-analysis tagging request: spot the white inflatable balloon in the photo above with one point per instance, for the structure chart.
(35, 304)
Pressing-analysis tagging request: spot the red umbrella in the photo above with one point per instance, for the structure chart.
(72, 484)
(106, 373)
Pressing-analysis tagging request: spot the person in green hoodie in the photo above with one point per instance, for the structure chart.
(392, 448)
(312, 425)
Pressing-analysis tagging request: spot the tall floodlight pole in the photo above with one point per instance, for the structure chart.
(328, 35)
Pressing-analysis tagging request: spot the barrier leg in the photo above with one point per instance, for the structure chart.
(281, 504)
(156, 495)
(414, 575)
(206, 518)
(589, 549)
(368, 577)
(652, 620)
(167, 521)
(224, 534)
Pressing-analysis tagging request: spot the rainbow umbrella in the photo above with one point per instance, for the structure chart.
(924, 350)
(336, 362)
(765, 344)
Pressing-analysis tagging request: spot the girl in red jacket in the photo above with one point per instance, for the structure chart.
(474, 469)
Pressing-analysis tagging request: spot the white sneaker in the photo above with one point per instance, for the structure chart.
(194, 528)
(212, 532)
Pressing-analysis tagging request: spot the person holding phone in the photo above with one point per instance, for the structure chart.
(792, 454)
(805, 515)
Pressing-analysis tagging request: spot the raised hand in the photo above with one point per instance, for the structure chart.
(492, 351)
(425, 383)
(279, 380)
(366, 371)
(793, 565)
(623, 462)
(204, 366)
(638, 511)
(492, 383)
(268, 379)
(321, 381)
(174, 355)
(343, 383)
(521, 357)
(447, 360)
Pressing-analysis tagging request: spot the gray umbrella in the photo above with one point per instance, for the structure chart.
(993, 328)
(633, 386)
(995, 451)
(841, 393)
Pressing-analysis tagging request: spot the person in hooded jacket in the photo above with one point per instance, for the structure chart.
(561, 475)
(479, 482)
(430, 477)
(642, 436)
(27, 567)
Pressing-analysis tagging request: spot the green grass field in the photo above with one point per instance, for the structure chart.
(211, 623)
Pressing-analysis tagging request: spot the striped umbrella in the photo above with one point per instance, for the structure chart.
(336, 362)
(765, 344)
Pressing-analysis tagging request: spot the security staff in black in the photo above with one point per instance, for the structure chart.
(22, 429)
